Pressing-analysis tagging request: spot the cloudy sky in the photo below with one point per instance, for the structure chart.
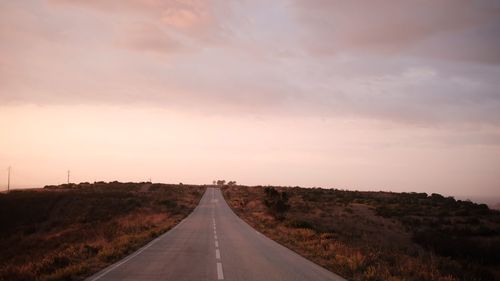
(396, 95)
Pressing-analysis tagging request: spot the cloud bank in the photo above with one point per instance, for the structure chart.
(421, 62)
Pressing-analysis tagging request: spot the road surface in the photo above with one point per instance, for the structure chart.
(212, 243)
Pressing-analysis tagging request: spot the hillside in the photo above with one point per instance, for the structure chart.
(377, 235)
(70, 231)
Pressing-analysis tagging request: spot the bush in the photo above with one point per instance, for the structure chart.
(458, 247)
(299, 224)
(276, 202)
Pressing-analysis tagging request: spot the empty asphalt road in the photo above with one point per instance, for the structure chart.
(212, 243)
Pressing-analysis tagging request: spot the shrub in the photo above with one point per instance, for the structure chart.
(276, 202)
(299, 224)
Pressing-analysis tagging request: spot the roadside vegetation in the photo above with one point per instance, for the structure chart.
(377, 235)
(70, 231)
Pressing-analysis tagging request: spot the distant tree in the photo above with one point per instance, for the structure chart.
(231, 183)
(221, 182)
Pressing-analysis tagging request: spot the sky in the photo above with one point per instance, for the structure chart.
(395, 95)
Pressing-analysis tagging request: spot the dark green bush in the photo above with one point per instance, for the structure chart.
(276, 202)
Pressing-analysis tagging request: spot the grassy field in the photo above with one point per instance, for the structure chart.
(68, 232)
(377, 235)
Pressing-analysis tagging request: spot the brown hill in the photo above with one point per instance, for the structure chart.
(377, 235)
(67, 232)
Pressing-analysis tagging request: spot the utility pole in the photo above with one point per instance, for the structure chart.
(8, 179)
(68, 176)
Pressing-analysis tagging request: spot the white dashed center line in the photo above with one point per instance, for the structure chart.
(220, 275)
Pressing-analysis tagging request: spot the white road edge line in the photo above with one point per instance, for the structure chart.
(217, 254)
(179, 224)
(220, 274)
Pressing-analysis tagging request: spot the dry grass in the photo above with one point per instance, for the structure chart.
(68, 232)
(349, 233)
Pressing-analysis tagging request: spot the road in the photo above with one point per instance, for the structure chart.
(212, 243)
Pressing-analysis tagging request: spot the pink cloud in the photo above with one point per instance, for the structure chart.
(62, 51)
(149, 38)
(395, 26)
(193, 18)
